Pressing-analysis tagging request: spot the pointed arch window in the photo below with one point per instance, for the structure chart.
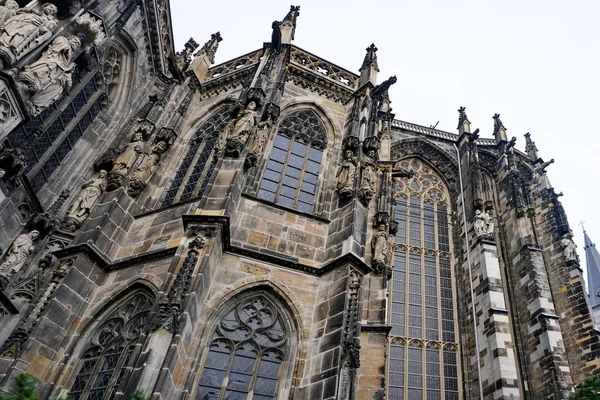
(65, 121)
(424, 349)
(248, 349)
(193, 174)
(292, 172)
(109, 356)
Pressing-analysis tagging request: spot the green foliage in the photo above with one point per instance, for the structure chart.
(140, 395)
(588, 390)
(23, 388)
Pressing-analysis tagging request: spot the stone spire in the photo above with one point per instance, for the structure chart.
(369, 69)
(464, 125)
(288, 25)
(530, 148)
(205, 57)
(592, 258)
(499, 129)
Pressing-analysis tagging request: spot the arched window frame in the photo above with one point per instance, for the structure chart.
(422, 280)
(285, 148)
(287, 367)
(62, 124)
(109, 352)
(199, 159)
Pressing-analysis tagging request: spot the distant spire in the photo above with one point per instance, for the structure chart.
(530, 148)
(499, 129)
(464, 125)
(369, 69)
(205, 57)
(288, 25)
(592, 258)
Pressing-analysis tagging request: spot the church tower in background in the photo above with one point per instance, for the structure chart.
(265, 228)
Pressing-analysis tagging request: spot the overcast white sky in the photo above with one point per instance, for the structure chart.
(535, 62)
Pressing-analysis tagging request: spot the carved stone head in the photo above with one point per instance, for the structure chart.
(160, 147)
(75, 42)
(251, 106)
(102, 173)
(34, 234)
(11, 4)
(49, 9)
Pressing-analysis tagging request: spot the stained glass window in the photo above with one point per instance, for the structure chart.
(249, 345)
(422, 294)
(63, 123)
(291, 175)
(195, 170)
(107, 358)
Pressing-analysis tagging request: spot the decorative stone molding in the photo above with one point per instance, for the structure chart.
(90, 28)
(11, 114)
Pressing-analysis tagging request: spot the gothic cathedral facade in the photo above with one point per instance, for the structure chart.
(264, 228)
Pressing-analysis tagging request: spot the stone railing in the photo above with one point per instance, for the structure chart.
(235, 65)
(325, 69)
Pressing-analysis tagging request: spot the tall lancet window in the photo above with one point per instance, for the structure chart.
(423, 352)
(292, 173)
(248, 351)
(108, 358)
(194, 172)
(66, 120)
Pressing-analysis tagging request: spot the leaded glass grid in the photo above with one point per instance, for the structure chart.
(107, 358)
(291, 175)
(247, 350)
(423, 349)
(193, 175)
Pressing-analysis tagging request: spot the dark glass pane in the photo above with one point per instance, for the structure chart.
(299, 149)
(67, 115)
(286, 201)
(38, 181)
(278, 155)
(315, 155)
(78, 102)
(304, 207)
(275, 166)
(282, 142)
(268, 185)
(41, 145)
(296, 161)
(313, 167)
(263, 194)
(63, 149)
(54, 130)
(90, 88)
(287, 191)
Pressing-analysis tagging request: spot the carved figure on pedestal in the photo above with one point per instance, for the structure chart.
(237, 131)
(346, 175)
(145, 170)
(260, 141)
(489, 223)
(368, 178)
(85, 200)
(8, 10)
(49, 76)
(25, 31)
(569, 249)
(379, 246)
(125, 161)
(21, 248)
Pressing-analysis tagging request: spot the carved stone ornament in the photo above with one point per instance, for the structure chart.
(483, 224)
(89, 28)
(145, 170)
(44, 81)
(85, 200)
(21, 248)
(12, 163)
(346, 176)
(238, 131)
(25, 30)
(569, 248)
(260, 141)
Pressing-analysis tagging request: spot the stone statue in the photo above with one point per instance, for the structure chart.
(480, 225)
(569, 249)
(49, 76)
(21, 248)
(276, 36)
(368, 177)
(25, 31)
(8, 10)
(489, 223)
(146, 169)
(262, 136)
(346, 175)
(89, 195)
(379, 244)
(129, 155)
(237, 132)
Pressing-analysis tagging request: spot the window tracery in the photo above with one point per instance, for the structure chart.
(193, 175)
(249, 346)
(62, 124)
(108, 356)
(423, 349)
(292, 172)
